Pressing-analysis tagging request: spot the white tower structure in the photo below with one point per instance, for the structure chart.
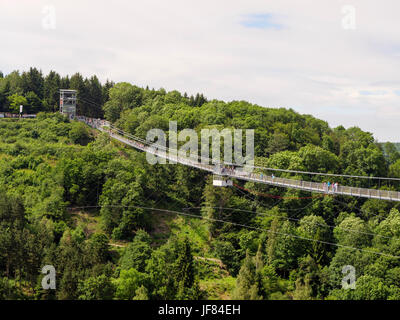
(68, 102)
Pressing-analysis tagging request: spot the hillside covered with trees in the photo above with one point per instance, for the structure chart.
(116, 227)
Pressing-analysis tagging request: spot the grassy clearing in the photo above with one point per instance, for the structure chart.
(218, 289)
(165, 225)
(89, 221)
(214, 278)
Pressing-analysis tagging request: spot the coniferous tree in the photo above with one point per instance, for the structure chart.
(32, 80)
(52, 86)
(247, 285)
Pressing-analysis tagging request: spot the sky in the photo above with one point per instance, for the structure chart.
(337, 60)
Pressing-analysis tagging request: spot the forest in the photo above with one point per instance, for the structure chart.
(115, 227)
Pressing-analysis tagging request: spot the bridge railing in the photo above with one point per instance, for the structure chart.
(321, 187)
(300, 184)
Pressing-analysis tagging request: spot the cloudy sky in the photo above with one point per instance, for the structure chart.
(316, 57)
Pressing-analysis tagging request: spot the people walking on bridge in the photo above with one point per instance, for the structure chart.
(328, 185)
(325, 187)
(273, 177)
(335, 187)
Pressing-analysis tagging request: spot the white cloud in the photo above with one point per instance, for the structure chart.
(310, 63)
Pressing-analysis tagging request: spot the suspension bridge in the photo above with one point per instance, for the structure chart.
(222, 176)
